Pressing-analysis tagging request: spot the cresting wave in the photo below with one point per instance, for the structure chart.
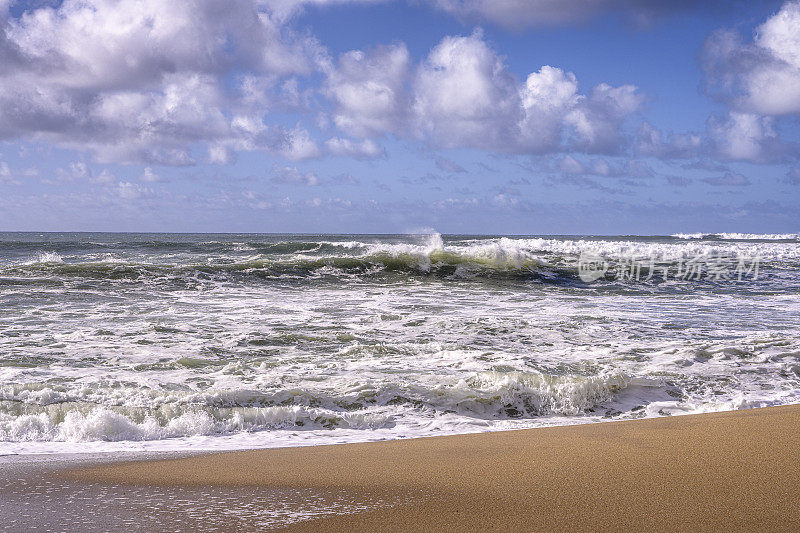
(40, 413)
(539, 258)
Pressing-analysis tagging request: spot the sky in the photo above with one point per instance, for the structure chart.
(398, 116)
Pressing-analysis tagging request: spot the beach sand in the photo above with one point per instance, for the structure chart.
(720, 471)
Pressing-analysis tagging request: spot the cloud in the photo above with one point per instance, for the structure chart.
(761, 76)
(629, 169)
(365, 149)
(728, 179)
(6, 176)
(149, 176)
(598, 118)
(548, 96)
(465, 95)
(147, 81)
(105, 177)
(132, 191)
(292, 176)
(650, 141)
(746, 137)
(369, 90)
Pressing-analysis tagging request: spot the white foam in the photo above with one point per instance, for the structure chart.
(224, 363)
(48, 257)
(741, 236)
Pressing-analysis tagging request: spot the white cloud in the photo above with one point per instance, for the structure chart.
(762, 76)
(650, 141)
(6, 176)
(105, 177)
(297, 144)
(746, 137)
(465, 95)
(630, 168)
(132, 191)
(369, 91)
(358, 149)
(149, 176)
(598, 118)
(147, 81)
(291, 175)
(547, 97)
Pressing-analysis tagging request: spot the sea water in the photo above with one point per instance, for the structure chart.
(220, 341)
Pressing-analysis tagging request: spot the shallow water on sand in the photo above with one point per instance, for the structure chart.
(35, 498)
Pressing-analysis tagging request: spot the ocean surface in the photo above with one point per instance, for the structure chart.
(219, 341)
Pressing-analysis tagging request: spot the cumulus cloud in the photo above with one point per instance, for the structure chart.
(463, 95)
(598, 118)
(746, 137)
(548, 96)
(760, 76)
(145, 81)
(369, 91)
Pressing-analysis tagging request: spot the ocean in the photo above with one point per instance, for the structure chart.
(148, 342)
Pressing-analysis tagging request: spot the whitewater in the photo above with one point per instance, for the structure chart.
(222, 341)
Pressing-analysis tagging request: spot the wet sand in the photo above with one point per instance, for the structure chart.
(735, 470)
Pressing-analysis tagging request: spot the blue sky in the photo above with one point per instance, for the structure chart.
(462, 116)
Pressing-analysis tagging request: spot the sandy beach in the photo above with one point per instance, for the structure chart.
(730, 470)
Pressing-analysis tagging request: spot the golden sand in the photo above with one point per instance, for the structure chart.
(722, 471)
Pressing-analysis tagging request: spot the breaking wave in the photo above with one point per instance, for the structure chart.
(534, 258)
(36, 413)
(740, 236)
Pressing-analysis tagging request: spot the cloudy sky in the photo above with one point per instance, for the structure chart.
(464, 116)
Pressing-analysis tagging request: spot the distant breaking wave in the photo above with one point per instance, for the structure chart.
(740, 236)
(544, 259)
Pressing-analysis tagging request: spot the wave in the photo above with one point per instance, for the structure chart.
(108, 424)
(48, 257)
(539, 259)
(739, 236)
(39, 413)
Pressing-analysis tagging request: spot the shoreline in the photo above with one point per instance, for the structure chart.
(735, 469)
